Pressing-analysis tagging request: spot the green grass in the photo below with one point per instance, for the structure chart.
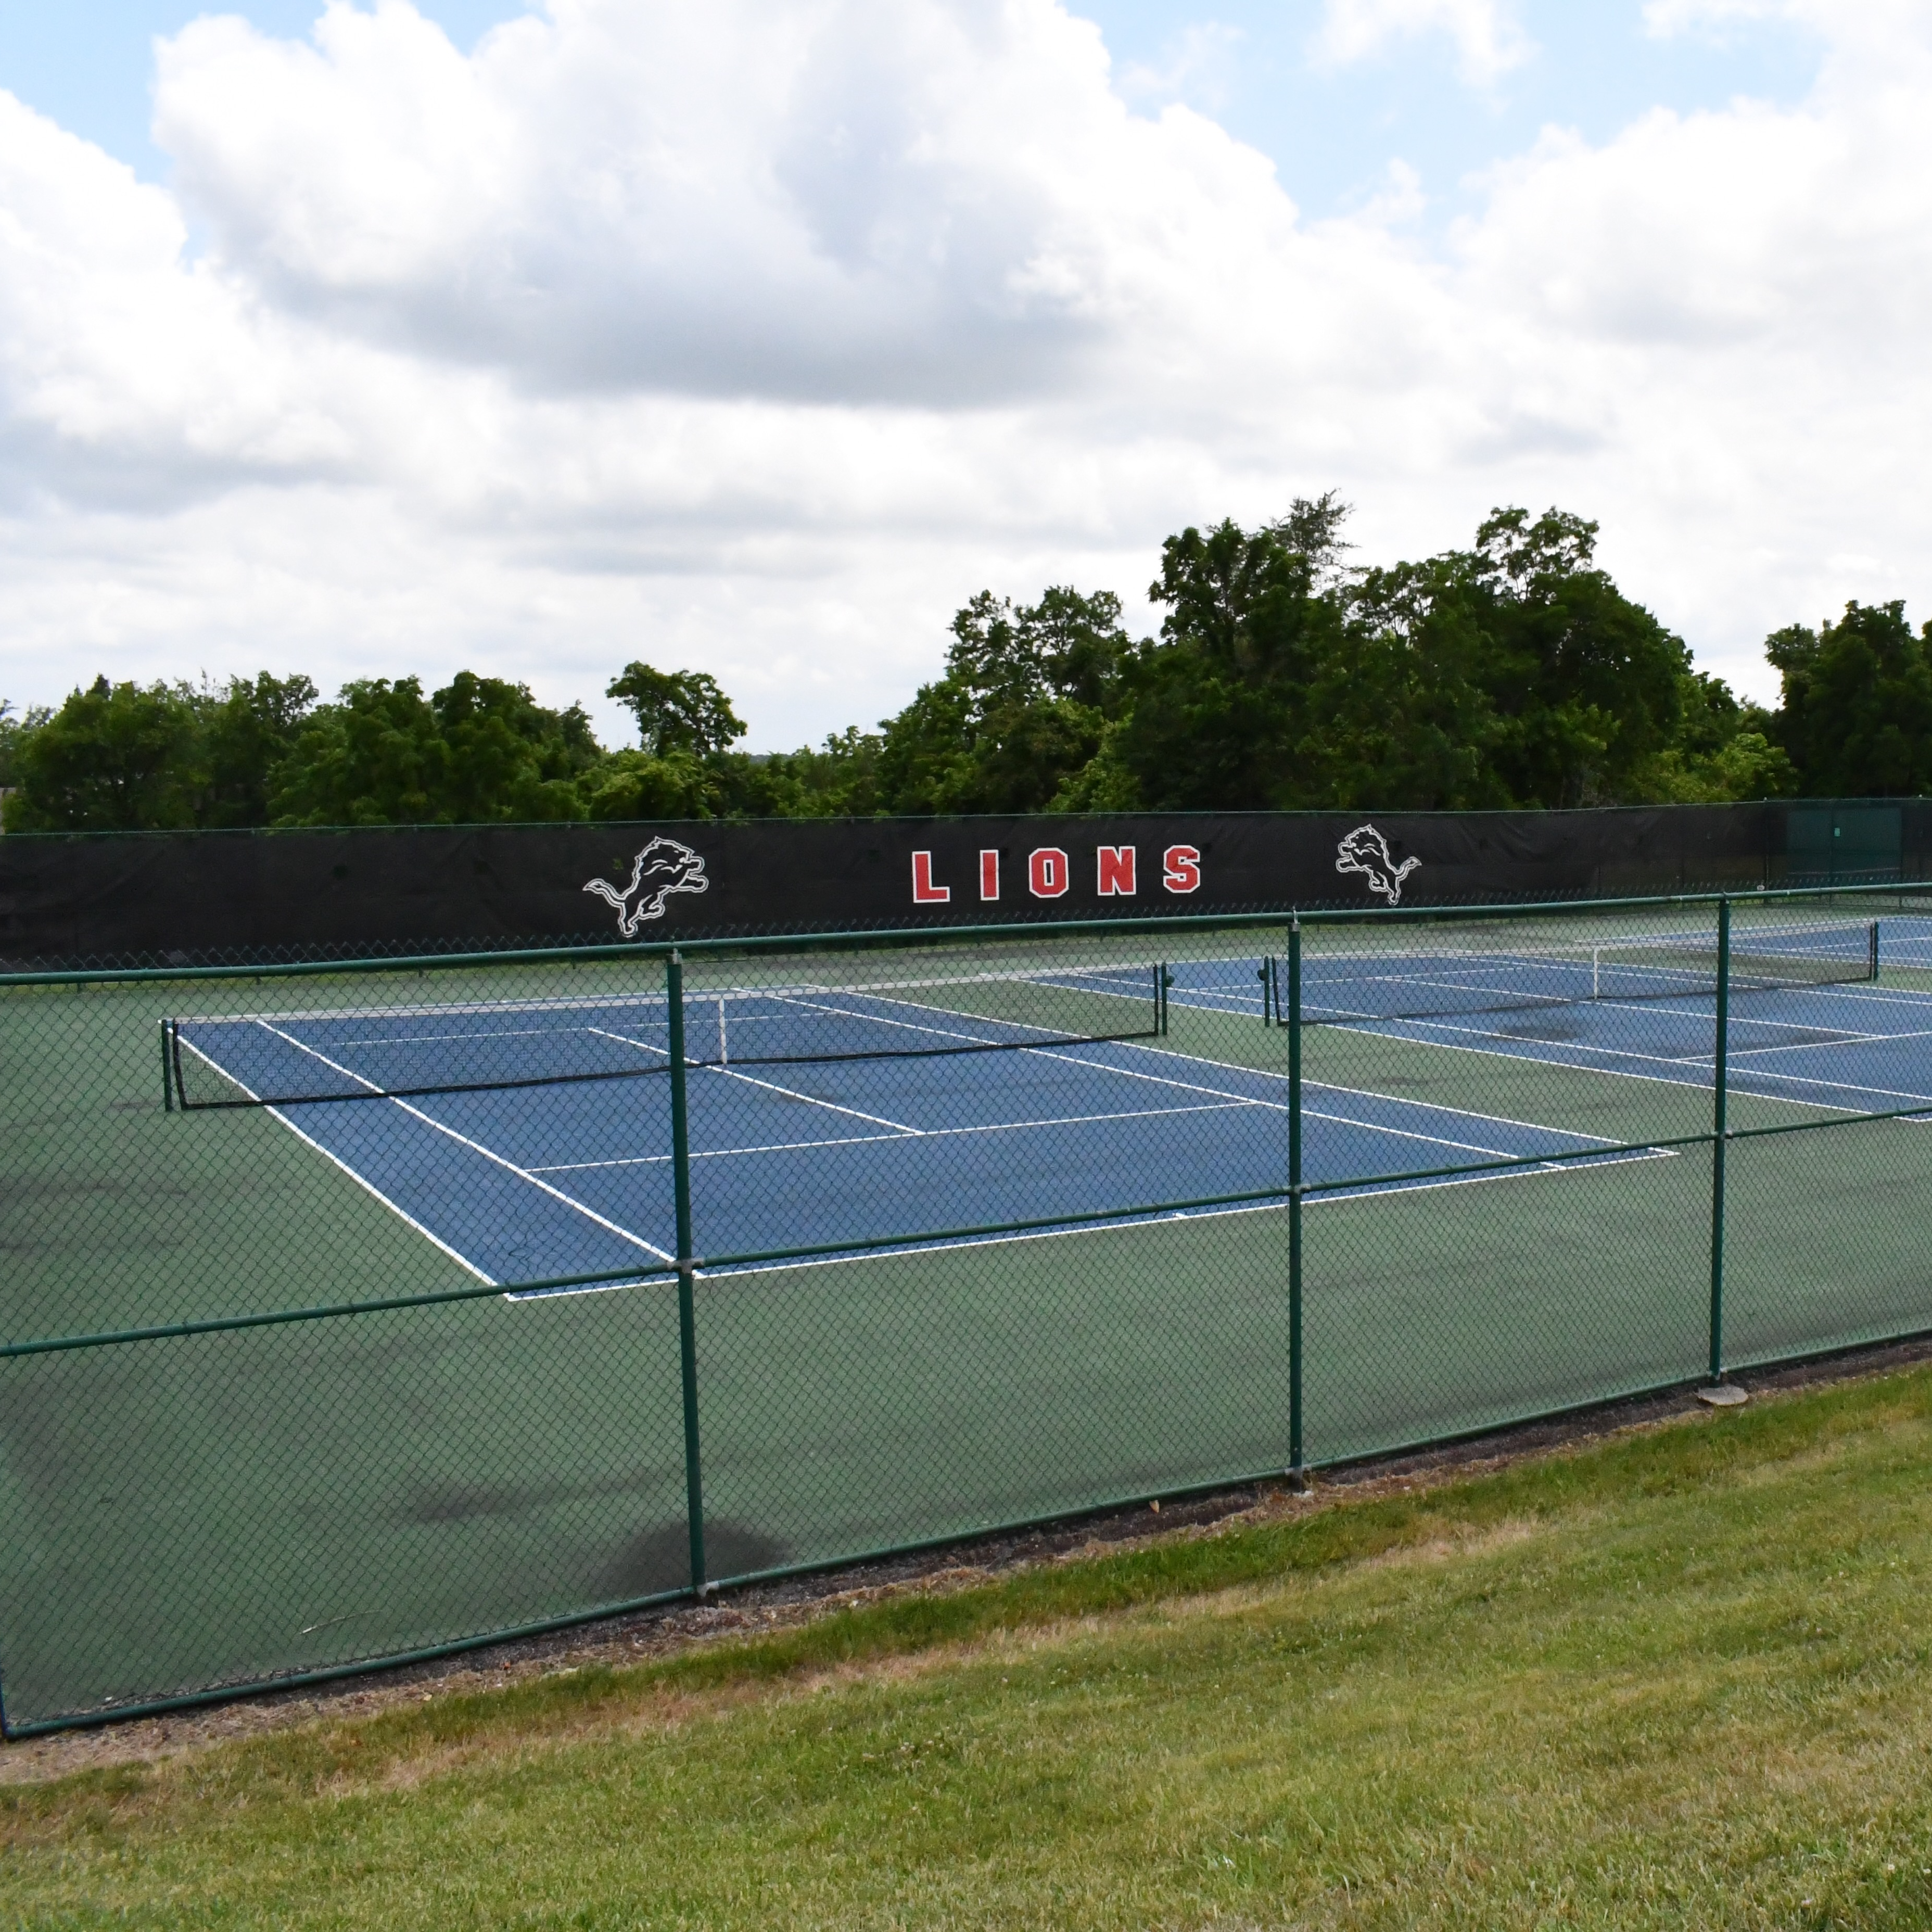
(1679, 1679)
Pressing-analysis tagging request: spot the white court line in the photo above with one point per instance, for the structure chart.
(594, 1002)
(1371, 1032)
(1353, 1092)
(1129, 1223)
(496, 1033)
(361, 1181)
(941, 1033)
(444, 1008)
(1281, 1107)
(1045, 1052)
(873, 1140)
(1239, 994)
(625, 1040)
(477, 1147)
(1812, 1045)
(812, 1099)
(1710, 1019)
(771, 1087)
(1851, 990)
(1646, 1008)
(1653, 1059)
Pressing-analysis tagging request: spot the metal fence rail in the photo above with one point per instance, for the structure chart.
(359, 1312)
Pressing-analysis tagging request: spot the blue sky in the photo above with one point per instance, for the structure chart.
(1248, 63)
(1331, 131)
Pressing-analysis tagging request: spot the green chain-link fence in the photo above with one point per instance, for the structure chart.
(352, 1312)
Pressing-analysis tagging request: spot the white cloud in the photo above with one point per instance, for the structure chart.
(758, 341)
(1488, 39)
(1197, 66)
(842, 199)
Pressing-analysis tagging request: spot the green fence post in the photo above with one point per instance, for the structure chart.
(687, 1267)
(1720, 1135)
(1298, 1474)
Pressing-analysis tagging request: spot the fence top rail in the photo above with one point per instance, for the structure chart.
(954, 935)
(238, 833)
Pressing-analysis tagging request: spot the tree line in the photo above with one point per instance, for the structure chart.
(1513, 674)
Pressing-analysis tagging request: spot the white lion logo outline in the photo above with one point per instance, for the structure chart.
(662, 867)
(1366, 850)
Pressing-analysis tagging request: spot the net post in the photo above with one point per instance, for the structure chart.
(1297, 1472)
(687, 1267)
(1720, 1135)
(1874, 952)
(167, 1074)
(1162, 979)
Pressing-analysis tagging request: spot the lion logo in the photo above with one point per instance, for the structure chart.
(662, 867)
(1366, 850)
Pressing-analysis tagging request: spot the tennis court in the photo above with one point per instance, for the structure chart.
(985, 1233)
(531, 1182)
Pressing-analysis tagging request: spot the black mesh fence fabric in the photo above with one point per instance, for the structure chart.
(359, 1311)
(132, 900)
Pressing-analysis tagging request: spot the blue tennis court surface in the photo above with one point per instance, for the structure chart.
(531, 1183)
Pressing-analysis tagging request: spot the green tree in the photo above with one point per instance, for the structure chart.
(684, 767)
(16, 728)
(1023, 707)
(1857, 716)
(1217, 710)
(631, 784)
(837, 779)
(1589, 686)
(375, 756)
(1723, 750)
(1514, 673)
(246, 729)
(509, 757)
(677, 710)
(481, 750)
(114, 758)
(1399, 711)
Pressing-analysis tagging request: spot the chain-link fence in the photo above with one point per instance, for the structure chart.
(352, 1312)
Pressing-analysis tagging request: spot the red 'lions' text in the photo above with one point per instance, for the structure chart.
(1049, 872)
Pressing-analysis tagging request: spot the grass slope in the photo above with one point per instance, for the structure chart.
(1678, 1678)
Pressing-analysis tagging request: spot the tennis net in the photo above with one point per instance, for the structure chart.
(1417, 977)
(427, 1048)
